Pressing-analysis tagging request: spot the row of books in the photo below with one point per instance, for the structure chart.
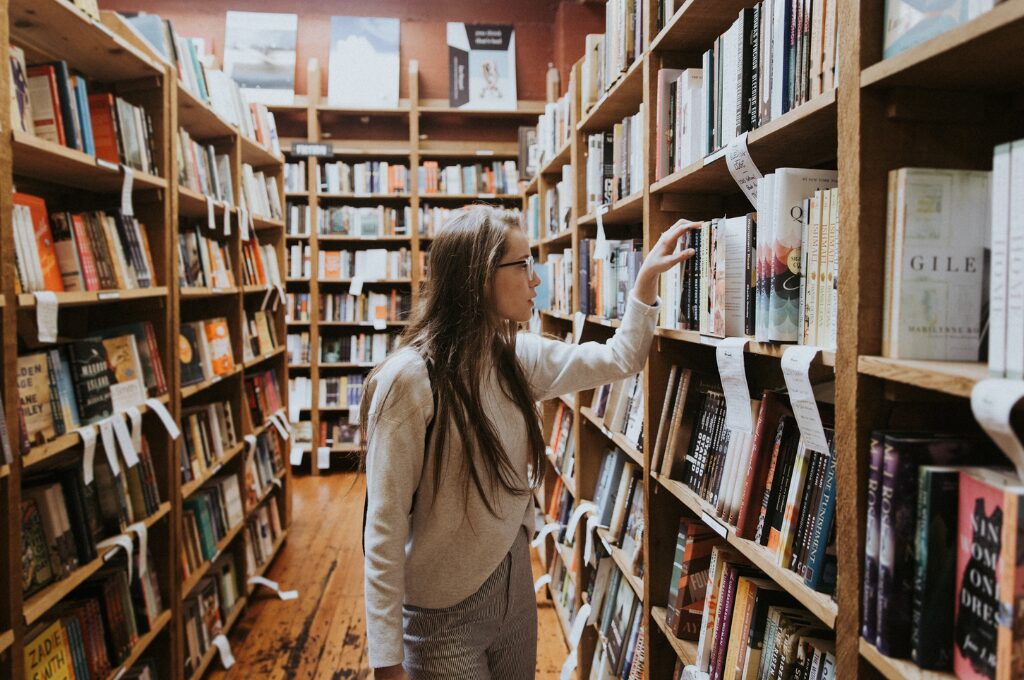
(500, 177)
(298, 219)
(554, 128)
(338, 430)
(558, 202)
(608, 55)
(63, 519)
(605, 283)
(369, 177)
(432, 220)
(295, 176)
(52, 103)
(370, 222)
(745, 625)
(300, 393)
(86, 381)
(532, 217)
(263, 395)
(556, 280)
(203, 170)
(366, 308)
(300, 264)
(208, 433)
(206, 612)
(296, 307)
(342, 391)
(600, 170)
(263, 466)
(369, 264)
(204, 350)
(260, 264)
(94, 631)
(298, 349)
(211, 86)
(563, 586)
(259, 334)
(562, 443)
(935, 531)
(208, 516)
(768, 484)
(260, 194)
(937, 292)
(361, 348)
(203, 261)
(618, 615)
(262, 531)
(89, 251)
(618, 495)
(619, 407)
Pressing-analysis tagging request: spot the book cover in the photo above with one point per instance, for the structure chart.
(259, 55)
(869, 590)
(128, 388)
(45, 107)
(218, 340)
(188, 356)
(482, 66)
(48, 655)
(93, 378)
(21, 102)
(44, 245)
(34, 399)
(911, 22)
(36, 569)
(364, 62)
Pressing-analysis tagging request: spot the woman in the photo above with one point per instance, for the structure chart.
(452, 430)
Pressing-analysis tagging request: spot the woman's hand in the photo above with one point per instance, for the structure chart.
(390, 673)
(660, 259)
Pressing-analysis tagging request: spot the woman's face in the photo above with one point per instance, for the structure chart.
(512, 292)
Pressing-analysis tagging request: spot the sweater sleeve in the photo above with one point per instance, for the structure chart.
(556, 367)
(394, 460)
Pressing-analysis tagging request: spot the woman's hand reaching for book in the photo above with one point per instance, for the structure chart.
(663, 256)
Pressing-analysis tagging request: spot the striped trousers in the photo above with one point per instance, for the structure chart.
(491, 635)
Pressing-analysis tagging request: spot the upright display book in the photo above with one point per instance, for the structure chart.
(259, 54)
(482, 67)
(364, 62)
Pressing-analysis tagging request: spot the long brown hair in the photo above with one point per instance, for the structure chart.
(453, 329)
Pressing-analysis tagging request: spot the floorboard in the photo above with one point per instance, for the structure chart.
(322, 635)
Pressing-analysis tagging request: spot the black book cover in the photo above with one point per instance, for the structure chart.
(188, 355)
(93, 377)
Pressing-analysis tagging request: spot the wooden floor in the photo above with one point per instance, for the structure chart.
(323, 634)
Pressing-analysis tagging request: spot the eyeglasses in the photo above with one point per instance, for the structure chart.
(528, 262)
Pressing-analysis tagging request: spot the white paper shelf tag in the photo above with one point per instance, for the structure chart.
(579, 320)
(124, 439)
(541, 582)
(275, 586)
(568, 666)
(732, 370)
(992, 401)
(140, 530)
(694, 673)
(88, 435)
(227, 659)
(323, 458)
(601, 247)
(165, 417)
(127, 209)
(122, 541)
(355, 286)
(243, 224)
(296, 456)
(47, 309)
(796, 367)
(211, 217)
(267, 298)
(742, 168)
(281, 430)
(582, 509)
(109, 447)
(549, 528)
(588, 549)
(135, 418)
(227, 220)
(250, 443)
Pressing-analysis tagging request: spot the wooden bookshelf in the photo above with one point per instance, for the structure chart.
(949, 377)
(212, 652)
(143, 644)
(898, 669)
(685, 650)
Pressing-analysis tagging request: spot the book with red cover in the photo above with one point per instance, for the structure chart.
(104, 127)
(47, 119)
(52, 279)
(763, 446)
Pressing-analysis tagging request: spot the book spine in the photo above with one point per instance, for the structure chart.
(815, 567)
(895, 553)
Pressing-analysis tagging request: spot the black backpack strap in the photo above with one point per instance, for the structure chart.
(426, 445)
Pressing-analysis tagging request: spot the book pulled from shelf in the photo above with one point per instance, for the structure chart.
(369, 265)
(208, 433)
(263, 396)
(203, 261)
(296, 307)
(498, 177)
(89, 251)
(600, 170)
(935, 304)
(207, 610)
(610, 54)
(619, 407)
(367, 308)
(361, 348)
(369, 177)
(260, 334)
(298, 349)
(204, 350)
(203, 170)
(344, 391)
(260, 194)
(365, 222)
(605, 284)
(260, 265)
(295, 176)
(558, 202)
(556, 280)
(298, 218)
(209, 515)
(529, 152)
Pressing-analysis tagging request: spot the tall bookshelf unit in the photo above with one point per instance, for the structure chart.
(108, 52)
(944, 103)
(416, 130)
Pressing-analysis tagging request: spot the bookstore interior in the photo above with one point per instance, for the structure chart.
(221, 220)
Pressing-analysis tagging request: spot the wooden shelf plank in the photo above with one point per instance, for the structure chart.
(45, 599)
(50, 162)
(562, 157)
(255, 361)
(629, 210)
(377, 282)
(622, 562)
(6, 640)
(768, 349)
(193, 390)
(399, 111)
(197, 292)
(950, 377)
(621, 100)
(193, 204)
(898, 669)
(686, 650)
(266, 223)
(557, 315)
(696, 24)
(628, 447)
(980, 55)
(340, 238)
(348, 364)
(199, 119)
(362, 325)
(258, 156)
(818, 604)
(83, 298)
(336, 195)
(562, 238)
(211, 653)
(56, 29)
(5, 470)
(525, 108)
(38, 454)
(142, 645)
(804, 137)
(470, 197)
(188, 488)
(368, 148)
(479, 151)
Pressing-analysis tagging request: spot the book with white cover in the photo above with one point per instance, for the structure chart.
(482, 67)
(259, 54)
(937, 251)
(364, 62)
(997, 330)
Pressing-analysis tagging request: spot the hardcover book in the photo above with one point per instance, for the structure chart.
(259, 54)
(34, 397)
(364, 62)
(93, 379)
(482, 66)
(188, 355)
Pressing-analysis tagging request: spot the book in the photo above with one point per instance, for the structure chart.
(38, 246)
(47, 653)
(481, 66)
(259, 55)
(908, 24)
(188, 356)
(371, 44)
(93, 378)
(22, 119)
